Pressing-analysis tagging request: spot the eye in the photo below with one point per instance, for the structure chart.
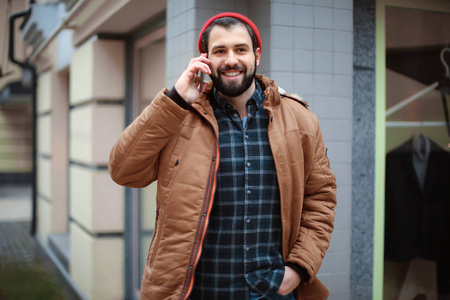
(219, 51)
(241, 50)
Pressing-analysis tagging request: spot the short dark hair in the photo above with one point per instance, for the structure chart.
(227, 22)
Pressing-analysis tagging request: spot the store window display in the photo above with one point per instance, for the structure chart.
(417, 196)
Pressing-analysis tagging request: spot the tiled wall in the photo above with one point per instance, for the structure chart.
(312, 55)
(308, 50)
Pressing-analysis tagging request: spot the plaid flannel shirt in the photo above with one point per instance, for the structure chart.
(242, 247)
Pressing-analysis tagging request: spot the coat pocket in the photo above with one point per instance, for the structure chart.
(174, 162)
(153, 244)
(312, 291)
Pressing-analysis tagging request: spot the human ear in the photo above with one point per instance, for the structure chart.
(258, 55)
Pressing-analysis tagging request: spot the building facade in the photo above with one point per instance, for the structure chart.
(15, 105)
(99, 63)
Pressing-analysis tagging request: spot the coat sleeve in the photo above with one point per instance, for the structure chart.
(317, 216)
(134, 158)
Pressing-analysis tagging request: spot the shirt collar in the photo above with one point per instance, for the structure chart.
(257, 98)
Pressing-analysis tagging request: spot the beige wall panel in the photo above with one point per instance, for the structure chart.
(7, 133)
(93, 131)
(96, 201)
(108, 269)
(144, 245)
(15, 138)
(148, 207)
(81, 259)
(109, 70)
(108, 123)
(44, 134)
(44, 90)
(96, 264)
(80, 133)
(81, 74)
(44, 177)
(59, 195)
(80, 188)
(44, 212)
(9, 120)
(108, 201)
(60, 150)
(15, 165)
(98, 72)
(18, 148)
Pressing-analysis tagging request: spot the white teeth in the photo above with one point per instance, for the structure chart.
(232, 73)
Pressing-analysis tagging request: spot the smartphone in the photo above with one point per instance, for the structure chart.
(202, 80)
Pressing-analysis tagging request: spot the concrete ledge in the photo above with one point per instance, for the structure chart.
(59, 244)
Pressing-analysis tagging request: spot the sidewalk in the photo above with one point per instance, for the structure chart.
(16, 244)
(22, 274)
(21, 256)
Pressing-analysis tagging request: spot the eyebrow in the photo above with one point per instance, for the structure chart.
(242, 45)
(235, 46)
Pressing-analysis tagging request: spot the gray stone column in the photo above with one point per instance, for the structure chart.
(363, 165)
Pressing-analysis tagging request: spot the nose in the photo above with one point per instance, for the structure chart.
(231, 59)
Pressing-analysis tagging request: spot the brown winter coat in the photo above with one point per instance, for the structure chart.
(179, 148)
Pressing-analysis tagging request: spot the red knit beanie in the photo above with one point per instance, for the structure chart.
(233, 15)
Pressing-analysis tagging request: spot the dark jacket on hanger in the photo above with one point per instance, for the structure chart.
(417, 220)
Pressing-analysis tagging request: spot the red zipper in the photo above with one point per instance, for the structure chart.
(203, 221)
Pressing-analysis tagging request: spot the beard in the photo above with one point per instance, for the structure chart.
(233, 88)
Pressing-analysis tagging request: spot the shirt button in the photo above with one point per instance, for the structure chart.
(190, 268)
(204, 215)
(246, 137)
(249, 192)
(249, 164)
(235, 115)
(247, 248)
(247, 220)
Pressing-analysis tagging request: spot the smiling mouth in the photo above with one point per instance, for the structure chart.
(232, 74)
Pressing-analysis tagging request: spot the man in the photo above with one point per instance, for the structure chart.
(245, 200)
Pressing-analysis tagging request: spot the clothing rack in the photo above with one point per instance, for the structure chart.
(412, 98)
(443, 85)
(393, 124)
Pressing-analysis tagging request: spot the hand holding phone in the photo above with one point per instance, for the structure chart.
(190, 84)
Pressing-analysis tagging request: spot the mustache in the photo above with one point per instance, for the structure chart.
(237, 67)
